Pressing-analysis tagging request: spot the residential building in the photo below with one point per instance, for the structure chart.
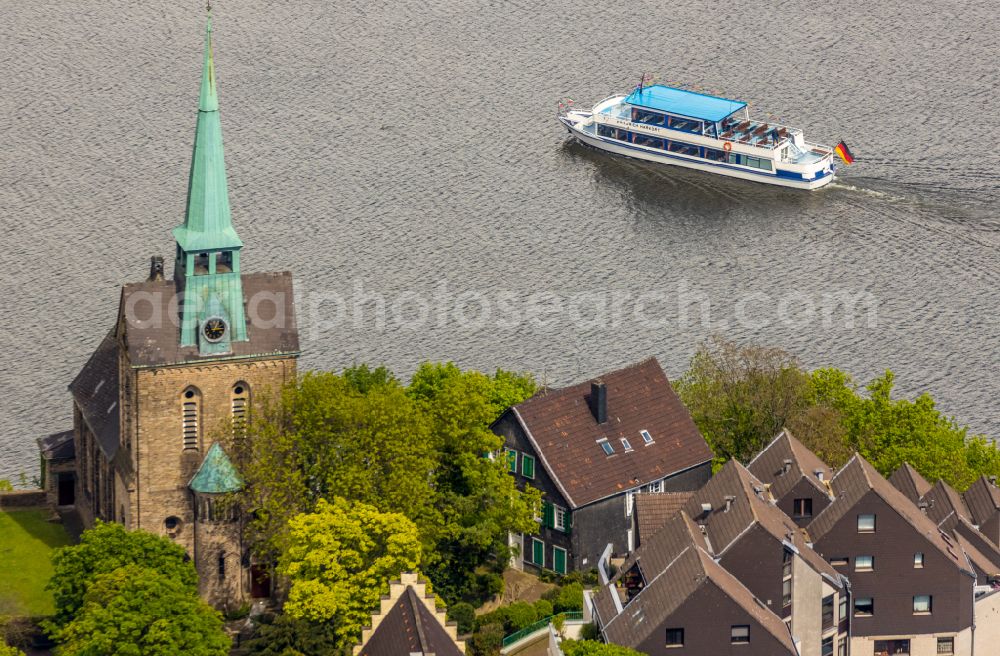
(671, 596)
(912, 586)
(908, 480)
(409, 622)
(799, 481)
(184, 363)
(652, 511)
(983, 500)
(591, 448)
(944, 506)
(766, 551)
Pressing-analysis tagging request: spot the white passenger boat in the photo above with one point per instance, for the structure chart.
(674, 126)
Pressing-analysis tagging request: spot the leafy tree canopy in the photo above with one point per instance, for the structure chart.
(420, 450)
(102, 550)
(339, 560)
(7, 650)
(742, 396)
(594, 648)
(288, 636)
(137, 611)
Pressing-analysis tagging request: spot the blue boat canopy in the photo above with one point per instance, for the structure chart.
(684, 103)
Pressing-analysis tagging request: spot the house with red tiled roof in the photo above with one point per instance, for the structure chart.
(591, 448)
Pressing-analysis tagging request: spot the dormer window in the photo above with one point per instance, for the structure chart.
(646, 437)
(608, 449)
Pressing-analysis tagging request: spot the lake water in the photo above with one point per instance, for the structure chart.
(409, 150)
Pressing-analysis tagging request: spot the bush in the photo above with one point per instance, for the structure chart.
(593, 648)
(284, 635)
(489, 585)
(569, 598)
(464, 614)
(520, 614)
(590, 632)
(499, 616)
(543, 608)
(486, 641)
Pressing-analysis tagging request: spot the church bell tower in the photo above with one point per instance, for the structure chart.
(207, 268)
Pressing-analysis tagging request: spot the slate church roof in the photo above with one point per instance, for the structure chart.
(95, 390)
(564, 432)
(154, 330)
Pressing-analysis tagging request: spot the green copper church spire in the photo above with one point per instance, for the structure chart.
(207, 223)
(208, 248)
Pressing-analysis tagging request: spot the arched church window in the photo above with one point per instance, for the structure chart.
(172, 525)
(222, 564)
(241, 402)
(189, 420)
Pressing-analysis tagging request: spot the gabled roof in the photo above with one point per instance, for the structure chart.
(675, 570)
(769, 465)
(154, 333)
(652, 511)
(408, 622)
(908, 480)
(58, 446)
(216, 474)
(983, 500)
(95, 390)
(945, 505)
(853, 482)
(984, 554)
(751, 505)
(565, 434)
(684, 103)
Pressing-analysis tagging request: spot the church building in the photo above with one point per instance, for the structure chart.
(176, 378)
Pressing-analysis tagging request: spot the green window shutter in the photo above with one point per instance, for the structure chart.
(538, 552)
(548, 515)
(512, 460)
(559, 560)
(527, 466)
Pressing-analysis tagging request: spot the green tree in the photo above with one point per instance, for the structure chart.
(356, 435)
(475, 496)
(137, 611)
(285, 635)
(5, 485)
(464, 615)
(7, 650)
(102, 550)
(742, 396)
(593, 648)
(421, 450)
(339, 560)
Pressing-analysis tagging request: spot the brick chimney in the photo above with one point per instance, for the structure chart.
(599, 401)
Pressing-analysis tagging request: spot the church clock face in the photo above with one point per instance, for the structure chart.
(214, 329)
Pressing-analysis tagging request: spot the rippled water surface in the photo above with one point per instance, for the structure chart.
(411, 147)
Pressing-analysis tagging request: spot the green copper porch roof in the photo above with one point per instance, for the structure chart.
(216, 475)
(207, 222)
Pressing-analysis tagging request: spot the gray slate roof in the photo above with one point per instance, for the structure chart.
(153, 343)
(95, 390)
(58, 446)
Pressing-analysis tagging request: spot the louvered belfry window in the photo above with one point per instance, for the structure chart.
(241, 395)
(189, 420)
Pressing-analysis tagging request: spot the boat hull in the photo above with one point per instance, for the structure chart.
(638, 152)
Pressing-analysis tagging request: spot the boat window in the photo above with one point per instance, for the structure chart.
(685, 125)
(683, 148)
(605, 130)
(649, 142)
(734, 158)
(646, 116)
(715, 155)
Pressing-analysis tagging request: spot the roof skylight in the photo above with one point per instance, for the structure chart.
(608, 449)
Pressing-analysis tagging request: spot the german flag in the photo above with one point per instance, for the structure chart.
(844, 152)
